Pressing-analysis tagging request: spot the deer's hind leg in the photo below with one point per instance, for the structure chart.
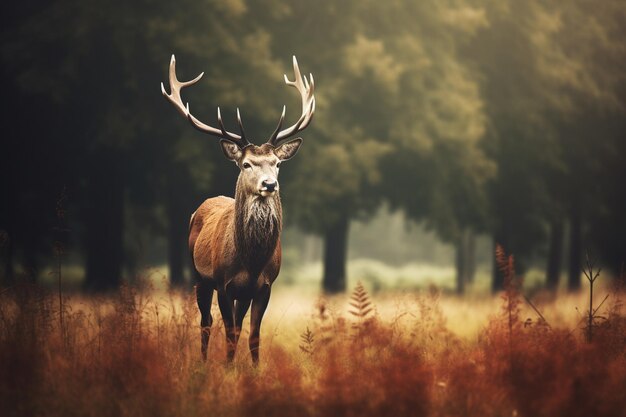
(204, 297)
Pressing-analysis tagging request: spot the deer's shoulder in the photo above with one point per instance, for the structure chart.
(214, 205)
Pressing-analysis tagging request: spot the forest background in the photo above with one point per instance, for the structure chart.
(442, 128)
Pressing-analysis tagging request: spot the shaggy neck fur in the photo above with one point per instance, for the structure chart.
(258, 223)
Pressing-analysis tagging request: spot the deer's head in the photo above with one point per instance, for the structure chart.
(259, 165)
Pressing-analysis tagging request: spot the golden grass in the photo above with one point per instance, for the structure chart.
(137, 353)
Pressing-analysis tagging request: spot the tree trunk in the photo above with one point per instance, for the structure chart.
(6, 259)
(30, 260)
(7, 219)
(104, 228)
(471, 257)
(555, 254)
(7, 277)
(461, 264)
(177, 229)
(465, 260)
(335, 254)
(575, 249)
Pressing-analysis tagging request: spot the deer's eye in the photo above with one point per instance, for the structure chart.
(246, 165)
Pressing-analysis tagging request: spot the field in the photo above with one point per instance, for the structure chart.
(137, 353)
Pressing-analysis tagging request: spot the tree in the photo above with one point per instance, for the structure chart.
(331, 180)
(589, 49)
(115, 152)
(394, 107)
(439, 169)
(550, 81)
(32, 168)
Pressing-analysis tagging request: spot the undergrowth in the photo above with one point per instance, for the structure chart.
(137, 353)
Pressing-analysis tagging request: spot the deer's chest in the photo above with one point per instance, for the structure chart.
(243, 284)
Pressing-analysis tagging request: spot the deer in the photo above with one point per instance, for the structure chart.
(235, 243)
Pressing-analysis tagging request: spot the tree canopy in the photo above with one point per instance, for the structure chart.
(472, 116)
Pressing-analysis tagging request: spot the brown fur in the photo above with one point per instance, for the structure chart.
(235, 244)
(225, 246)
(239, 237)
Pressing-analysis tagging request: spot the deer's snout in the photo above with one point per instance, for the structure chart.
(269, 185)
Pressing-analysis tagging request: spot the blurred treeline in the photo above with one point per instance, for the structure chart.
(472, 116)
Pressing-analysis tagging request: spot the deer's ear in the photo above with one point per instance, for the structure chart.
(288, 149)
(231, 150)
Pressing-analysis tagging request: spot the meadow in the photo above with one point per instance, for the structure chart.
(136, 352)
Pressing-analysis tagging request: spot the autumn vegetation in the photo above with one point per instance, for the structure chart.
(137, 352)
(472, 123)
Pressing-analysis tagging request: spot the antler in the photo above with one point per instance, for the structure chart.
(306, 89)
(174, 97)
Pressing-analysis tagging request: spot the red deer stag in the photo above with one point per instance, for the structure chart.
(235, 243)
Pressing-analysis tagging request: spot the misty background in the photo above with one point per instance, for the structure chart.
(441, 129)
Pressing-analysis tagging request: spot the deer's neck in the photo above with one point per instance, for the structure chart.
(258, 223)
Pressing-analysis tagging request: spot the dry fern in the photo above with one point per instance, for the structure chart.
(360, 302)
(308, 340)
(512, 285)
(361, 308)
(325, 326)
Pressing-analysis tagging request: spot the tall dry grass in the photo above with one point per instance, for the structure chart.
(137, 353)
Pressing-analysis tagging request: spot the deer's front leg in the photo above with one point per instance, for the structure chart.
(259, 304)
(204, 297)
(228, 316)
(241, 308)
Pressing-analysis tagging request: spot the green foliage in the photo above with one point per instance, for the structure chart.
(548, 69)
(470, 115)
